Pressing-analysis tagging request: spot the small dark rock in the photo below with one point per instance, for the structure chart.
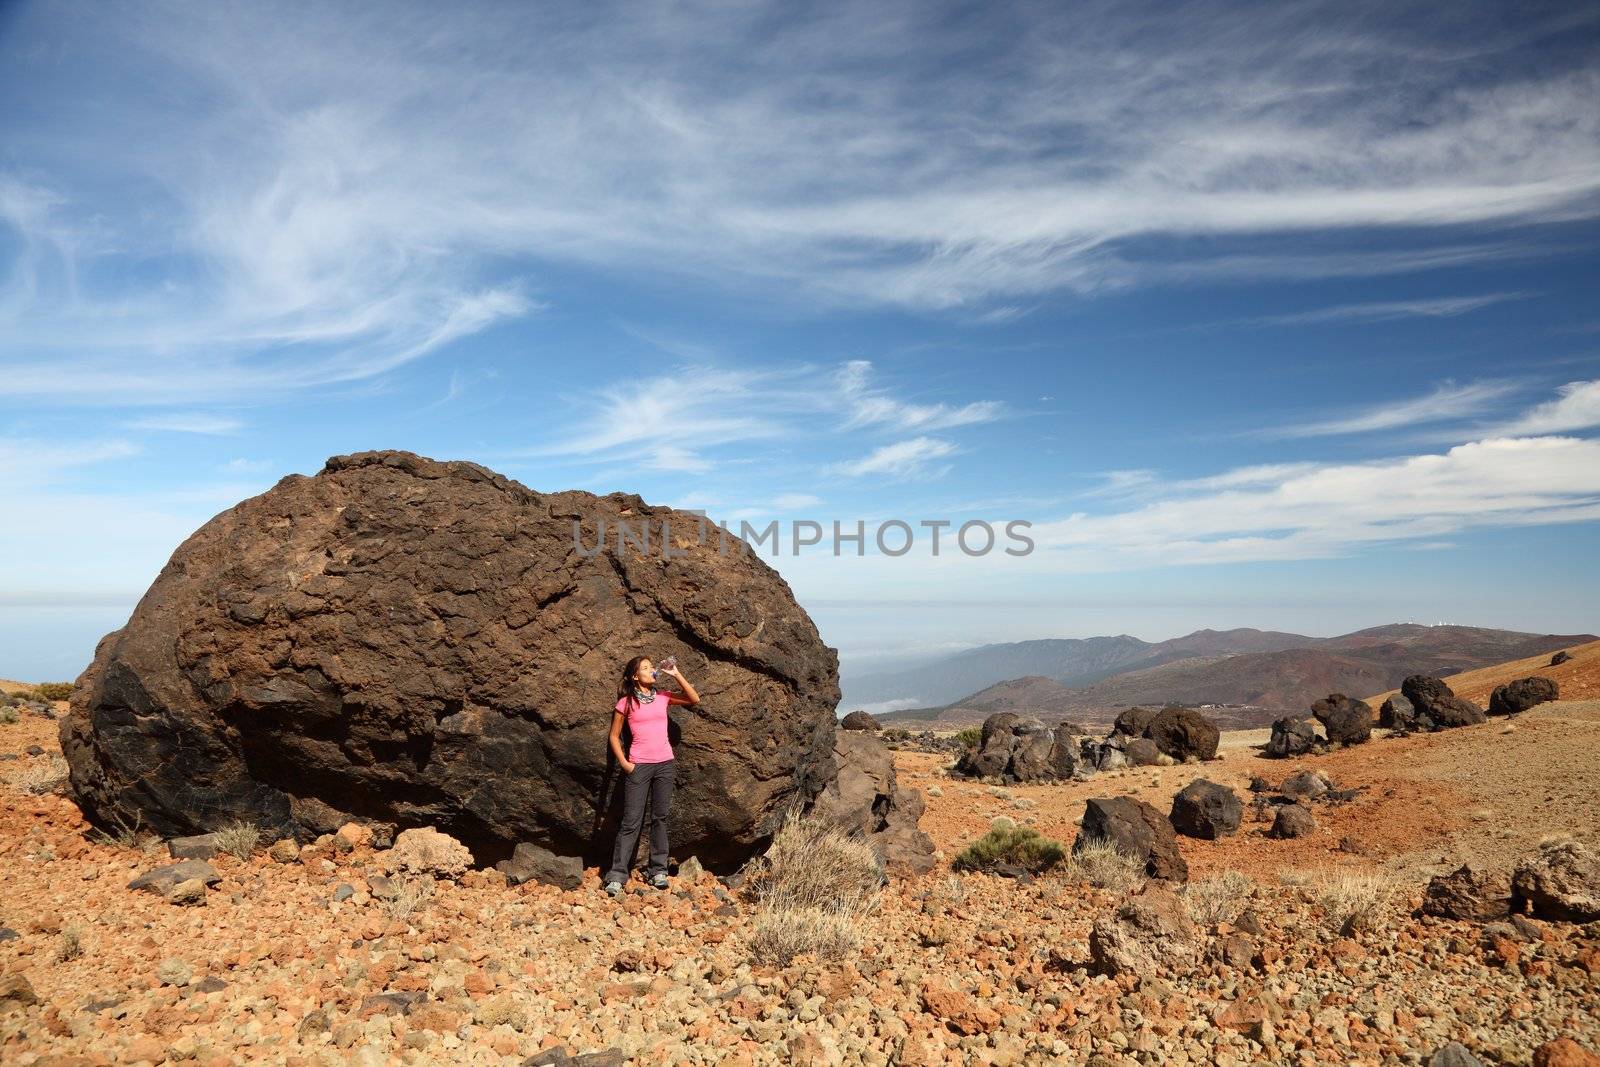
(1304, 785)
(1560, 657)
(1142, 752)
(343, 891)
(34, 750)
(198, 847)
(210, 984)
(1294, 820)
(1438, 708)
(1454, 1054)
(530, 863)
(1468, 893)
(163, 879)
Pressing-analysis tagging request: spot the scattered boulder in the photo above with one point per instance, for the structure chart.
(1346, 720)
(284, 851)
(1560, 657)
(162, 880)
(198, 847)
(1293, 820)
(1513, 698)
(1305, 785)
(1564, 1052)
(1183, 733)
(530, 863)
(1148, 934)
(16, 992)
(1020, 749)
(252, 677)
(1206, 810)
(1397, 714)
(424, 850)
(1468, 893)
(1292, 736)
(1104, 755)
(859, 720)
(190, 891)
(864, 797)
(1142, 752)
(1437, 708)
(1137, 829)
(1561, 882)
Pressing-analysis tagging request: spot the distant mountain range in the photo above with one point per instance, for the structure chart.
(1262, 674)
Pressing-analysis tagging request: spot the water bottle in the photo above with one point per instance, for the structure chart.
(666, 665)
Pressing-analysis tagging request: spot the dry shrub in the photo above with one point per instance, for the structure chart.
(412, 894)
(1296, 876)
(71, 946)
(120, 832)
(239, 838)
(1219, 899)
(1354, 902)
(8, 715)
(812, 888)
(39, 778)
(1101, 863)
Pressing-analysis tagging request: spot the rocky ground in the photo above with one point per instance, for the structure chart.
(1306, 951)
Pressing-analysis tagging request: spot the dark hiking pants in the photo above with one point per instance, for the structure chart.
(652, 781)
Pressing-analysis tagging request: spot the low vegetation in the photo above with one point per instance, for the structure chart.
(239, 839)
(813, 888)
(1354, 902)
(51, 691)
(1219, 899)
(1009, 845)
(1103, 865)
(971, 736)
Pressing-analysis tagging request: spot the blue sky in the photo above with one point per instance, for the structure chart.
(1280, 316)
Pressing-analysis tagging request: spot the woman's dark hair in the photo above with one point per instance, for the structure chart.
(626, 686)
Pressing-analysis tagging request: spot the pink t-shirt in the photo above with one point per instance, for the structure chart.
(648, 724)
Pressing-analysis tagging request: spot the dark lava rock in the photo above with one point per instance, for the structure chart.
(530, 863)
(1437, 708)
(1019, 749)
(1345, 720)
(162, 879)
(859, 720)
(425, 643)
(1292, 736)
(1133, 722)
(1522, 694)
(1183, 732)
(1137, 829)
(1560, 882)
(1142, 752)
(1397, 714)
(199, 847)
(1293, 820)
(1305, 785)
(1207, 810)
(865, 798)
(1560, 657)
(1468, 893)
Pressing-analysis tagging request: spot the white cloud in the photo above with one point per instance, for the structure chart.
(1576, 408)
(902, 459)
(1446, 402)
(1387, 310)
(872, 407)
(187, 422)
(32, 461)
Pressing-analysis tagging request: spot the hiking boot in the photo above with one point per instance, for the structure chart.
(614, 888)
(659, 881)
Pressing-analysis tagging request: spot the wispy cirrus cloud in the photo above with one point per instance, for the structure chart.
(1576, 407)
(187, 422)
(902, 459)
(1447, 402)
(867, 405)
(1387, 310)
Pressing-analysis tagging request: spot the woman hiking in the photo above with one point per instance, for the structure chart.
(648, 764)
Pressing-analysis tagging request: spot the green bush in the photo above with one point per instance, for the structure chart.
(1014, 846)
(53, 691)
(972, 736)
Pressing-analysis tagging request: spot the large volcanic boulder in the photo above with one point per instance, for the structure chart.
(1133, 722)
(1397, 714)
(1522, 694)
(1436, 707)
(420, 643)
(1346, 720)
(1184, 732)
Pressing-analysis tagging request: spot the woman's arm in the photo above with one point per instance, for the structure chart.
(689, 695)
(616, 742)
